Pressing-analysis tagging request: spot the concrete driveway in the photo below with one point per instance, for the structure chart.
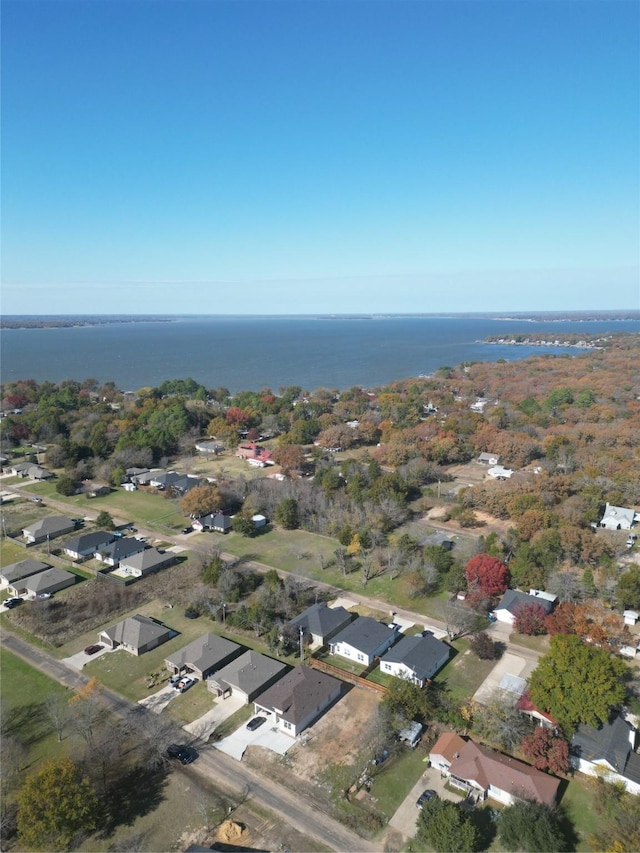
(267, 736)
(221, 711)
(79, 660)
(406, 817)
(509, 664)
(159, 700)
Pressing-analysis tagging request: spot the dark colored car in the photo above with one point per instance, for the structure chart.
(12, 602)
(187, 529)
(425, 796)
(92, 649)
(254, 724)
(184, 754)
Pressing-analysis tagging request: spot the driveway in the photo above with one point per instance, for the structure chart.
(159, 700)
(406, 817)
(509, 664)
(221, 711)
(267, 736)
(79, 660)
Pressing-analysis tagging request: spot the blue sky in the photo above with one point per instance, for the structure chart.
(296, 157)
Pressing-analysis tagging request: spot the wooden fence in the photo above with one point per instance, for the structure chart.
(344, 675)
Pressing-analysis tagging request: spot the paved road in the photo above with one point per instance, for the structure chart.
(212, 764)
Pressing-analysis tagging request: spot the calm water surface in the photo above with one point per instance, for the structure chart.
(258, 352)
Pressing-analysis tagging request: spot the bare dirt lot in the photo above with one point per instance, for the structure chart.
(335, 739)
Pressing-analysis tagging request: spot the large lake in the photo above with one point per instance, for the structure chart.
(259, 352)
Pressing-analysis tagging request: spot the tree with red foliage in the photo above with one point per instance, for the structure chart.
(546, 750)
(529, 618)
(235, 416)
(562, 620)
(487, 574)
(483, 646)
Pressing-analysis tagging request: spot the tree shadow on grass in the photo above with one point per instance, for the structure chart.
(27, 723)
(134, 795)
(484, 821)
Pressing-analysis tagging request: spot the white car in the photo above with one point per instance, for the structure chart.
(184, 684)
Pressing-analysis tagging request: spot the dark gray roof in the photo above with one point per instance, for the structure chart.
(420, 654)
(299, 693)
(365, 634)
(612, 743)
(440, 539)
(513, 597)
(87, 541)
(47, 579)
(122, 548)
(320, 619)
(216, 519)
(23, 569)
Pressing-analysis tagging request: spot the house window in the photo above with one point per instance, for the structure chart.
(286, 724)
(386, 667)
(360, 656)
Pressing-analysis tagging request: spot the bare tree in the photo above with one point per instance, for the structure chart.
(56, 708)
(460, 620)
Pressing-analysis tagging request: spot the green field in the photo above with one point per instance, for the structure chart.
(464, 673)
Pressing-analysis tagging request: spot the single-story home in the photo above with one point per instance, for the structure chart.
(137, 634)
(95, 490)
(130, 473)
(482, 772)
(319, 623)
(203, 656)
(254, 454)
(213, 521)
(415, 658)
(505, 611)
(17, 571)
(144, 478)
(146, 562)
(297, 699)
(499, 472)
(526, 706)
(186, 483)
(83, 547)
(165, 479)
(246, 676)
(608, 752)
(49, 581)
(31, 470)
(48, 528)
(489, 458)
(363, 640)
(119, 549)
(619, 517)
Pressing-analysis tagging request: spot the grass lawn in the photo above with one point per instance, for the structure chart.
(342, 663)
(578, 804)
(379, 677)
(188, 706)
(24, 689)
(537, 644)
(464, 673)
(397, 777)
(11, 552)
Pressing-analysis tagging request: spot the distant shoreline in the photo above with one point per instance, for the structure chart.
(26, 321)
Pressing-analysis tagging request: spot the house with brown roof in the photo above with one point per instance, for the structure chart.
(481, 772)
(298, 699)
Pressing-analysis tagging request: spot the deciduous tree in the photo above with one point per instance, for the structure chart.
(531, 827)
(445, 827)
(546, 750)
(201, 500)
(529, 618)
(487, 574)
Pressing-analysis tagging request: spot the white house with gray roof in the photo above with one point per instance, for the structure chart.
(608, 752)
(246, 676)
(320, 623)
(619, 517)
(146, 562)
(416, 658)
(203, 656)
(363, 640)
(119, 549)
(507, 609)
(48, 528)
(84, 547)
(137, 634)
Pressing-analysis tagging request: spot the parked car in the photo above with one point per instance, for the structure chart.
(12, 602)
(255, 723)
(44, 595)
(187, 529)
(425, 796)
(184, 684)
(185, 754)
(93, 648)
(175, 679)
(631, 540)
(36, 500)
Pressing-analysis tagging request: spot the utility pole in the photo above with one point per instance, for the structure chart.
(301, 644)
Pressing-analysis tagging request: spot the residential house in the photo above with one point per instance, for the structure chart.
(186, 483)
(203, 656)
(513, 598)
(363, 640)
(489, 458)
(119, 549)
(320, 623)
(526, 706)
(31, 470)
(95, 490)
(48, 528)
(608, 752)
(83, 547)
(165, 479)
(144, 478)
(499, 472)
(47, 582)
(255, 455)
(213, 521)
(482, 772)
(246, 676)
(440, 539)
(209, 446)
(619, 518)
(137, 634)
(146, 562)
(18, 571)
(297, 699)
(415, 658)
